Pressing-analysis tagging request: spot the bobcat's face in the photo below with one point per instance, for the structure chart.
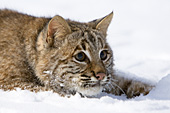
(93, 61)
(80, 62)
(88, 67)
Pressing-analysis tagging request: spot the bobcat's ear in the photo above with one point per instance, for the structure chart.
(103, 23)
(57, 27)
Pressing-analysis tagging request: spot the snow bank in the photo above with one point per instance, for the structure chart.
(132, 76)
(23, 101)
(162, 89)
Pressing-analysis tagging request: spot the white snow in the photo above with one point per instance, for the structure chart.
(140, 38)
(162, 90)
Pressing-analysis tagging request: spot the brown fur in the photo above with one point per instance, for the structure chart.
(30, 46)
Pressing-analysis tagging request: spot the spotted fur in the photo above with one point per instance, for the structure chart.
(60, 55)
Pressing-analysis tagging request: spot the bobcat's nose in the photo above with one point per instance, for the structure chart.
(100, 76)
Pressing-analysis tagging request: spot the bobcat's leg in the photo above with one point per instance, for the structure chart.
(131, 88)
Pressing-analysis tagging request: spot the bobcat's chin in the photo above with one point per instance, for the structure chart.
(90, 90)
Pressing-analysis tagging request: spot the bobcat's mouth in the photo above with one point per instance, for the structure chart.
(93, 82)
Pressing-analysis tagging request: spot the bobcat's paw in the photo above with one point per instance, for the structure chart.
(136, 88)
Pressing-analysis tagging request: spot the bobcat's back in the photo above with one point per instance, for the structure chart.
(18, 34)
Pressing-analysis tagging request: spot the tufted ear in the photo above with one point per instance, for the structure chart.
(58, 28)
(102, 24)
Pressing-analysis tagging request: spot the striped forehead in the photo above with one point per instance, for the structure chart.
(91, 44)
(93, 41)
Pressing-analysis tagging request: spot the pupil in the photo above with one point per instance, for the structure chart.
(80, 56)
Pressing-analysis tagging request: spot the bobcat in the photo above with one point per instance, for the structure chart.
(65, 56)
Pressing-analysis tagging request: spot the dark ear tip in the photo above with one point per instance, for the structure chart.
(111, 14)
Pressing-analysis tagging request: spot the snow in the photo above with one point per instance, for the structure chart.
(162, 89)
(139, 36)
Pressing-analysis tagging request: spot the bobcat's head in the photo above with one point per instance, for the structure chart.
(75, 57)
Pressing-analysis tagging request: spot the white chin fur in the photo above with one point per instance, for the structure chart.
(90, 91)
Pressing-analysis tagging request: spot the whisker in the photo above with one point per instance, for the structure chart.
(113, 80)
(118, 87)
(110, 87)
(112, 84)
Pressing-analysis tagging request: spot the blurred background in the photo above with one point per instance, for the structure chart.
(139, 33)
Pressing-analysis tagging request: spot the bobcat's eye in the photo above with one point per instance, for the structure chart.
(80, 56)
(103, 55)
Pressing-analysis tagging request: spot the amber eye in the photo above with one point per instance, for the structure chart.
(103, 55)
(80, 56)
